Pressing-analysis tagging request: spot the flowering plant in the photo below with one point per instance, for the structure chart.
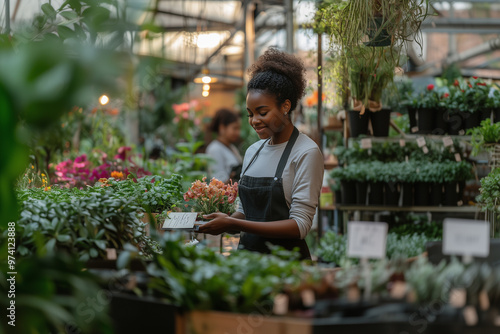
(215, 196)
(188, 117)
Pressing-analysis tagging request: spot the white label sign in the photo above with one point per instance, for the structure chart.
(420, 141)
(180, 220)
(466, 237)
(447, 141)
(366, 239)
(366, 143)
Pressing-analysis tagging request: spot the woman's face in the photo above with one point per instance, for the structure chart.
(264, 115)
(231, 132)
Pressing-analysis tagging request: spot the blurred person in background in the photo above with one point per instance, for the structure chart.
(227, 161)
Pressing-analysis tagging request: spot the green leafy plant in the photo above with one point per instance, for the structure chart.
(489, 197)
(194, 277)
(332, 247)
(85, 226)
(484, 136)
(52, 295)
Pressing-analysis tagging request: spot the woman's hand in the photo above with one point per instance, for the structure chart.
(220, 223)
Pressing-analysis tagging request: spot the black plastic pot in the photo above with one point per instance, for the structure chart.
(380, 122)
(412, 115)
(421, 193)
(407, 194)
(425, 120)
(461, 189)
(378, 36)
(450, 194)
(436, 196)
(338, 196)
(471, 120)
(485, 114)
(348, 189)
(392, 193)
(358, 124)
(131, 314)
(455, 122)
(376, 193)
(361, 192)
(496, 115)
(440, 122)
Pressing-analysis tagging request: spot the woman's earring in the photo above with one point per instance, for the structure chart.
(286, 113)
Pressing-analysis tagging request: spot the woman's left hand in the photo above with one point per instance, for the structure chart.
(220, 223)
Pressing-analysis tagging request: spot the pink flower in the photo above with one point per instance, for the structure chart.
(177, 108)
(445, 95)
(197, 121)
(185, 115)
(176, 120)
(430, 87)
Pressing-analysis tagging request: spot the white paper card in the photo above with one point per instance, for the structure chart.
(420, 141)
(447, 141)
(425, 149)
(366, 239)
(180, 220)
(402, 143)
(466, 237)
(414, 129)
(366, 143)
(457, 157)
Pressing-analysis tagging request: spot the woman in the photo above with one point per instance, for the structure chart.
(283, 172)
(227, 160)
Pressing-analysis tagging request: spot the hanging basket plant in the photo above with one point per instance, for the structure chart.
(375, 23)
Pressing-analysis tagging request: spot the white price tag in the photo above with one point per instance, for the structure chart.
(447, 141)
(366, 143)
(366, 239)
(457, 157)
(180, 220)
(425, 149)
(420, 141)
(466, 237)
(414, 129)
(402, 143)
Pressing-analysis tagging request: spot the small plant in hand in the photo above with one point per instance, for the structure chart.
(215, 196)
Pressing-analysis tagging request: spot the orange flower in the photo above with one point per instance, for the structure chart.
(117, 175)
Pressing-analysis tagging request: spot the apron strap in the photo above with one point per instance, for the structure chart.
(286, 153)
(255, 155)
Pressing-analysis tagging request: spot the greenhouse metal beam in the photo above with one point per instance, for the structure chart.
(461, 25)
(491, 45)
(185, 16)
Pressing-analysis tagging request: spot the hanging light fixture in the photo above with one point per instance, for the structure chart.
(205, 77)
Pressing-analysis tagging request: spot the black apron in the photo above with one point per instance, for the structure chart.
(263, 200)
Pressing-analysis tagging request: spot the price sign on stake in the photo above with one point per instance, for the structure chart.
(366, 239)
(447, 141)
(466, 237)
(420, 141)
(366, 143)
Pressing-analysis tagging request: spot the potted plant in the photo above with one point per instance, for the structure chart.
(493, 103)
(427, 105)
(370, 71)
(485, 136)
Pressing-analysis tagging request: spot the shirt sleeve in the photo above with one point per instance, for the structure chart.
(306, 188)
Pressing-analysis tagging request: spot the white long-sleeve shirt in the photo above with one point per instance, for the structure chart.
(302, 177)
(224, 159)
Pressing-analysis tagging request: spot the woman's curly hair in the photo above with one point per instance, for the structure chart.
(280, 74)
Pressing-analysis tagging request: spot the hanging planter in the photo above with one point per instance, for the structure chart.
(378, 33)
